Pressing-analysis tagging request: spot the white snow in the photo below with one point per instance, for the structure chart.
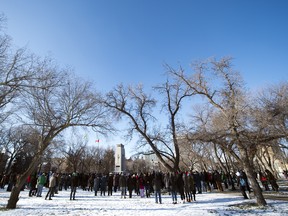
(86, 203)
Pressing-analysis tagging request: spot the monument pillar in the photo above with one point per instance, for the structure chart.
(120, 159)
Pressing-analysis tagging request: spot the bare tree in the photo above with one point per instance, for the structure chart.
(15, 141)
(15, 73)
(108, 161)
(90, 159)
(74, 154)
(94, 157)
(53, 103)
(139, 108)
(139, 165)
(230, 127)
(194, 155)
(271, 114)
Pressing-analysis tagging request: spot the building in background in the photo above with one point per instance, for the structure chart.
(152, 161)
(120, 159)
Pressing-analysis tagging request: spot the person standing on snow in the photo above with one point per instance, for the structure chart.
(52, 184)
(242, 184)
(41, 181)
(158, 185)
(74, 185)
(123, 185)
(173, 187)
(96, 184)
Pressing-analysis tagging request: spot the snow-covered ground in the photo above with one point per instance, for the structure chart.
(86, 203)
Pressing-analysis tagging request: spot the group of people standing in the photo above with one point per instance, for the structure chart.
(265, 178)
(183, 184)
(51, 181)
(145, 184)
(142, 184)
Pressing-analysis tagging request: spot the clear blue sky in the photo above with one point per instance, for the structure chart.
(128, 41)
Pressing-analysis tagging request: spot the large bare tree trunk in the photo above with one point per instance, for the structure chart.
(248, 167)
(14, 196)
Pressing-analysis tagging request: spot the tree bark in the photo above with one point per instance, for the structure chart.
(260, 200)
(14, 196)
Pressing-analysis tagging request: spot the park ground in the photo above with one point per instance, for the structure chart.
(209, 204)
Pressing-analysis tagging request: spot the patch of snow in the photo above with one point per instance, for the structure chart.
(86, 204)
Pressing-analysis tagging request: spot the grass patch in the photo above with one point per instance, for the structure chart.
(247, 206)
(2, 208)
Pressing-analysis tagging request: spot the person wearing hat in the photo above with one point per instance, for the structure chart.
(110, 184)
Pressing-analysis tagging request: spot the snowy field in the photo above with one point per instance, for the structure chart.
(86, 203)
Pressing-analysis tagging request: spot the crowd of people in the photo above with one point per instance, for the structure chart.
(182, 186)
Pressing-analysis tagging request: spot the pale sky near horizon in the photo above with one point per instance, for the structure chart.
(128, 41)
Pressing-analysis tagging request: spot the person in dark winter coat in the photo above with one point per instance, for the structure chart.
(123, 185)
(218, 180)
(116, 182)
(197, 181)
(186, 186)
(12, 179)
(147, 184)
(96, 185)
(74, 185)
(137, 189)
(110, 184)
(180, 186)
(246, 180)
(90, 183)
(130, 184)
(103, 185)
(192, 194)
(173, 187)
(158, 185)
